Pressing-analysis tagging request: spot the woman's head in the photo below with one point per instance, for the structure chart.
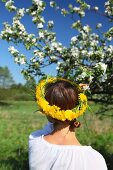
(64, 95)
(60, 99)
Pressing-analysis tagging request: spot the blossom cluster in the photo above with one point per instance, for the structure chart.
(109, 8)
(10, 5)
(18, 58)
(88, 56)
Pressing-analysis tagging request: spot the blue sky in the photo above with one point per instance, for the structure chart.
(62, 28)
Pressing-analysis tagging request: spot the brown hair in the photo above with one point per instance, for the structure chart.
(62, 94)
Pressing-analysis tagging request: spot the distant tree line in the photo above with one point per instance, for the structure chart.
(9, 90)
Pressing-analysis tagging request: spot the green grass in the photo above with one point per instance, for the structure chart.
(18, 120)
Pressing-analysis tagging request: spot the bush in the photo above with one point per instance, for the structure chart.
(19, 94)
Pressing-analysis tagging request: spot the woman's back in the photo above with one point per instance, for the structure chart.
(46, 156)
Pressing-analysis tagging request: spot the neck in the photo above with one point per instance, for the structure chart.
(64, 134)
(63, 129)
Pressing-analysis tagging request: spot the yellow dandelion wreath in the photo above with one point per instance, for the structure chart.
(55, 111)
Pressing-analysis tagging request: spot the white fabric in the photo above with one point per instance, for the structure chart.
(46, 156)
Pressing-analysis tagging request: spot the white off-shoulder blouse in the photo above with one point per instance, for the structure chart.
(46, 156)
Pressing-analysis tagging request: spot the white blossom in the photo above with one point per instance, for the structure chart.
(88, 6)
(34, 19)
(16, 60)
(99, 25)
(64, 11)
(38, 53)
(34, 40)
(21, 12)
(54, 44)
(9, 5)
(53, 58)
(84, 87)
(103, 77)
(33, 59)
(96, 8)
(17, 23)
(41, 34)
(86, 28)
(27, 10)
(82, 75)
(50, 23)
(90, 78)
(74, 39)
(38, 2)
(40, 25)
(76, 9)
(22, 61)
(103, 66)
(90, 53)
(12, 50)
(59, 49)
(52, 4)
(109, 38)
(110, 49)
(42, 20)
(95, 35)
(33, 13)
(107, 3)
(94, 42)
(84, 52)
(9, 31)
(76, 24)
(74, 51)
(84, 35)
(57, 68)
(58, 65)
(82, 13)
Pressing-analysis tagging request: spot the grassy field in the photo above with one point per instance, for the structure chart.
(18, 120)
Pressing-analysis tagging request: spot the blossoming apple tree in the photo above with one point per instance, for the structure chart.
(88, 58)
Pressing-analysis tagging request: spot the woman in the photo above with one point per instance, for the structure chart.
(56, 147)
